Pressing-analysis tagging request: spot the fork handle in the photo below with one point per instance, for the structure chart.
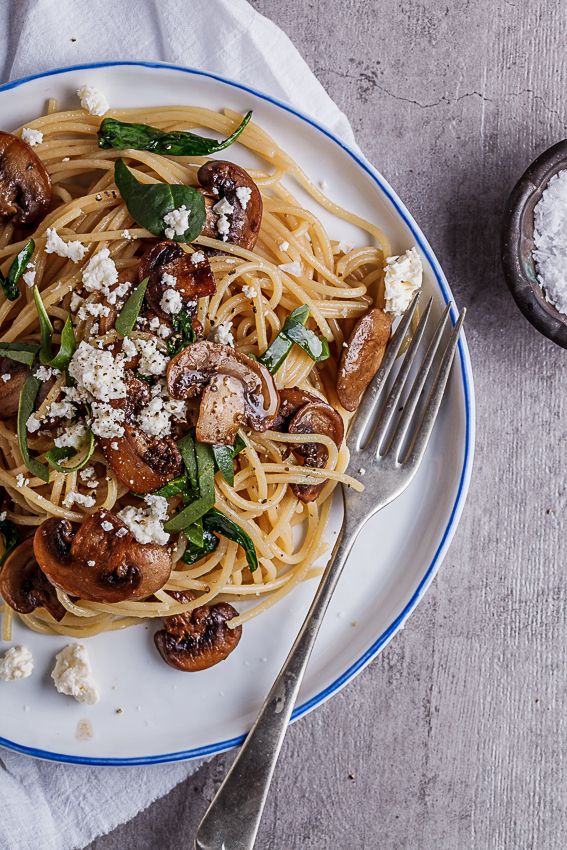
(231, 822)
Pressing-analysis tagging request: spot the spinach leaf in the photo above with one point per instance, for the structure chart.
(224, 463)
(11, 536)
(17, 268)
(206, 484)
(187, 448)
(214, 520)
(194, 533)
(142, 137)
(294, 331)
(129, 313)
(26, 407)
(194, 553)
(183, 333)
(173, 488)
(53, 456)
(68, 343)
(21, 352)
(148, 203)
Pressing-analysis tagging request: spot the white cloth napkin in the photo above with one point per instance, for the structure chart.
(56, 806)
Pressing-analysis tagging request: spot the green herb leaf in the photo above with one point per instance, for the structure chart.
(68, 343)
(214, 520)
(293, 331)
(194, 533)
(173, 488)
(45, 328)
(148, 203)
(131, 310)
(315, 346)
(67, 347)
(21, 352)
(142, 137)
(186, 447)
(224, 462)
(194, 553)
(16, 270)
(53, 456)
(206, 489)
(11, 536)
(26, 407)
(183, 333)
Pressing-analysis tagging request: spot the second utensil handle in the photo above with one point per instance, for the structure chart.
(232, 820)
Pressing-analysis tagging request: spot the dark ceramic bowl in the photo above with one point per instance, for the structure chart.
(518, 242)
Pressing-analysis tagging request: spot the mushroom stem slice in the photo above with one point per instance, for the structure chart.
(101, 561)
(199, 639)
(361, 359)
(223, 407)
(10, 389)
(25, 587)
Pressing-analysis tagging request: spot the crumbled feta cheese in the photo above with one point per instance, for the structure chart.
(223, 334)
(249, 291)
(106, 526)
(98, 373)
(92, 100)
(294, 268)
(73, 436)
(100, 273)
(126, 234)
(169, 280)
(32, 137)
(74, 251)
(118, 292)
(177, 409)
(152, 361)
(6, 377)
(75, 302)
(33, 424)
(73, 675)
(121, 532)
(29, 275)
(21, 480)
(95, 310)
(171, 302)
(44, 373)
(197, 257)
(74, 498)
(146, 524)
(176, 221)
(154, 323)
(154, 419)
(3, 516)
(61, 409)
(87, 473)
(163, 331)
(16, 663)
(284, 245)
(66, 159)
(223, 209)
(243, 194)
(91, 563)
(403, 276)
(114, 445)
(129, 349)
(106, 421)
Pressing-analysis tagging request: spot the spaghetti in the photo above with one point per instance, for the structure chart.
(293, 263)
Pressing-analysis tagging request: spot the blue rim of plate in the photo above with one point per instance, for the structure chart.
(468, 388)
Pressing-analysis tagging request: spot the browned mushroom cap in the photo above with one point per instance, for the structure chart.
(222, 179)
(10, 390)
(25, 185)
(95, 563)
(142, 463)
(198, 639)
(361, 359)
(291, 399)
(193, 280)
(315, 418)
(239, 389)
(23, 585)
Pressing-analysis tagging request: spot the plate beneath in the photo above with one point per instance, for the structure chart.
(168, 715)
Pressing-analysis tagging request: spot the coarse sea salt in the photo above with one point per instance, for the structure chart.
(550, 241)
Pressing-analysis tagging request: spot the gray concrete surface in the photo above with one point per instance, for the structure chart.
(456, 736)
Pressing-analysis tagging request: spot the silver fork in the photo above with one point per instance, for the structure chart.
(390, 451)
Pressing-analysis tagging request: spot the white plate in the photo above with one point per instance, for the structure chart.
(168, 715)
